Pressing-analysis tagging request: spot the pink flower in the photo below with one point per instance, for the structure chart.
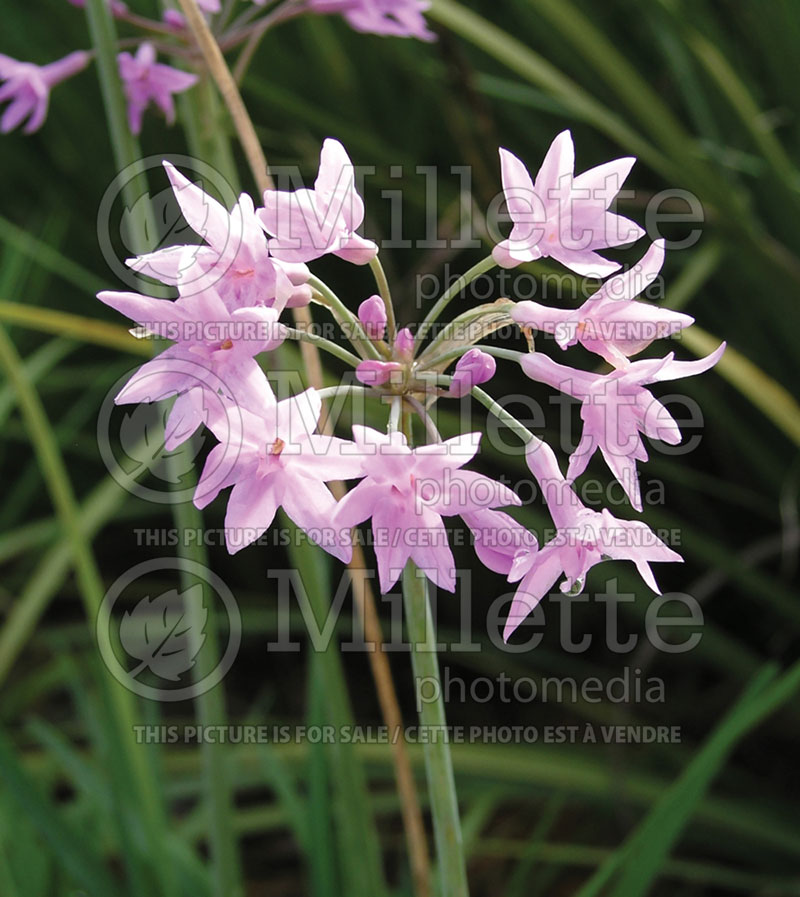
(407, 491)
(609, 323)
(473, 368)
(235, 260)
(584, 538)
(563, 216)
(616, 408)
(306, 224)
(213, 355)
(144, 80)
(282, 461)
(396, 18)
(372, 314)
(177, 20)
(28, 87)
(117, 7)
(174, 19)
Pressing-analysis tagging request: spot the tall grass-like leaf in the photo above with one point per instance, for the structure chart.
(640, 858)
(49, 258)
(78, 327)
(84, 867)
(766, 394)
(57, 478)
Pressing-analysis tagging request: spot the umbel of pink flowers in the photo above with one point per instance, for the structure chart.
(252, 265)
(26, 87)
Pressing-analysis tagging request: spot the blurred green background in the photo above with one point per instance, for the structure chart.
(704, 93)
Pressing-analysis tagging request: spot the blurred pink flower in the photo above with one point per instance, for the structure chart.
(473, 368)
(144, 80)
(561, 215)
(394, 18)
(177, 20)
(616, 408)
(118, 8)
(306, 224)
(235, 260)
(584, 538)
(27, 87)
(407, 491)
(282, 461)
(609, 323)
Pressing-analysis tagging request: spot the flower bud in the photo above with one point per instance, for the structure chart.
(374, 373)
(473, 368)
(404, 343)
(372, 314)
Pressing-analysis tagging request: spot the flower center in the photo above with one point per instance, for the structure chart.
(226, 344)
(276, 448)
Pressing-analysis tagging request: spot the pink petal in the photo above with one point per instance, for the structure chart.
(206, 217)
(251, 509)
(311, 506)
(537, 583)
(554, 178)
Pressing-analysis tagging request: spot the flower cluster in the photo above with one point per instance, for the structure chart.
(232, 290)
(145, 80)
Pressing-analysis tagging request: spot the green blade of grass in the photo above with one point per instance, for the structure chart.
(84, 867)
(772, 399)
(59, 485)
(49, 258)
(78, 327)
(640, 858)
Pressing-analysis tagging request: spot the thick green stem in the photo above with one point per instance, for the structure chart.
(438, 763)
(442, 302)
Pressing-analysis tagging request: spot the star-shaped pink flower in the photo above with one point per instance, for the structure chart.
(282, 462)
(213, 355)
(610, 323)
(616, 408)
(306, 224)
(407, 491)
(563, 216)
(583, 539)
(144, 80)
(234, 260)
(27, 87)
